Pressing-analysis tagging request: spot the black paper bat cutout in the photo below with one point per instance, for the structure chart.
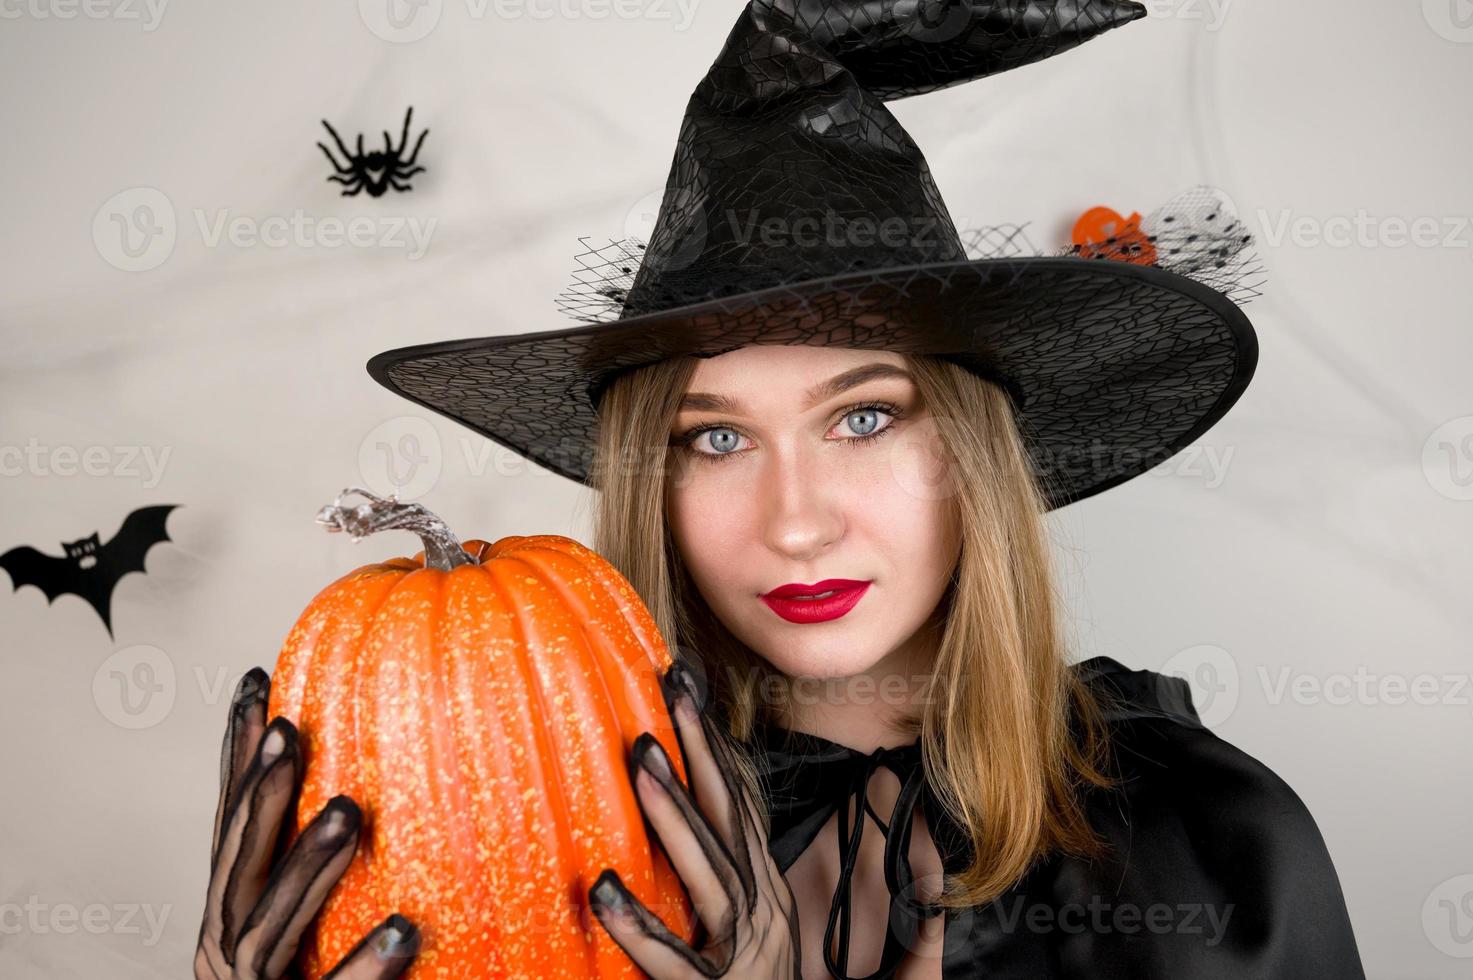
(89, 569)
(376, 170)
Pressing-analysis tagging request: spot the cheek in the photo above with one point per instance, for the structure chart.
(906, 501)
(916, 463)
(913, 529)
(707, 530)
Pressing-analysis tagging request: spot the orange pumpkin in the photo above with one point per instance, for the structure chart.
(1103, 233)
(479, 708)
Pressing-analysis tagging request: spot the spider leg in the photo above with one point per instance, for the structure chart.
(417, 145)
(335, 165)
(338, 140)
(345, 180)
(404, 137)
(406, 174)
(351, 189)
(395, 184)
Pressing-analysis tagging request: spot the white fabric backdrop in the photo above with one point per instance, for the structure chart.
(1319, 530)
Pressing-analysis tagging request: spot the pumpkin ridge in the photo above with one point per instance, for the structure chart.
(602, 617)
(392, 720)
(595, 620)
(447, 791)
(336, 651)
(546, 754)
(470, 672)
(632, 662)
(486, 768)
(631, 606)
(457, 835)
(365, 627)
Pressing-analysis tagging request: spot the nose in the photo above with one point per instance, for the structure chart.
(802, 515)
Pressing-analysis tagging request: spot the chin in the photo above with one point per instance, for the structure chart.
(799, 651)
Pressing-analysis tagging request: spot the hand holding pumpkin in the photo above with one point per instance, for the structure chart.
(744, 902)
(255, 913)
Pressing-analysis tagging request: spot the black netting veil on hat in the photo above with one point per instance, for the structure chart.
(798, 211)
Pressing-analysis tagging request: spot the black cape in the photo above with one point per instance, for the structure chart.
(1215, 868)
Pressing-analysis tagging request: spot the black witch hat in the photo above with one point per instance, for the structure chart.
(799, 211)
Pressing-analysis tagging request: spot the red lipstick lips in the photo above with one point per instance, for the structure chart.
(789, 601)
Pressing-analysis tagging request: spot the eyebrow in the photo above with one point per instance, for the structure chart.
(824, 390)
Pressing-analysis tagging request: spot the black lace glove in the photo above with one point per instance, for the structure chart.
(253, 923)
(742, 900)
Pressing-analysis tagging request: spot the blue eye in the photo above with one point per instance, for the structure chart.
(725, 438)
(866, 427)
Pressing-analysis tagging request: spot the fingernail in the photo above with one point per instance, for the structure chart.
(649, 753)
(254, 686)
(398, 938)
(678, 684)
(340, 818)
(272, 745)
(610, 896)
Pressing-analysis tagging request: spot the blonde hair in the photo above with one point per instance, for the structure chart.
(1010, 736)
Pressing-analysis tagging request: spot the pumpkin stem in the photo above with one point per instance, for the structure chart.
(442, 548)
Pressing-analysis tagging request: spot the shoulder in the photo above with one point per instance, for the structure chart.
(1175, 775)
(1162, 754)
(1195, 823)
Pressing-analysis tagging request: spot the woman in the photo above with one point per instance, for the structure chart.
(1183, 857)
(809, 378)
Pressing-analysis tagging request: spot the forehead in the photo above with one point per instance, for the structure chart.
(785, 377)
(798, 365)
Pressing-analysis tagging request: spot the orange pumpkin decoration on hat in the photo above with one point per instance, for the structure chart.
(1102, 233)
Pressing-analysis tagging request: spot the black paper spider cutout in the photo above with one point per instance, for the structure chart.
(378, 170)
